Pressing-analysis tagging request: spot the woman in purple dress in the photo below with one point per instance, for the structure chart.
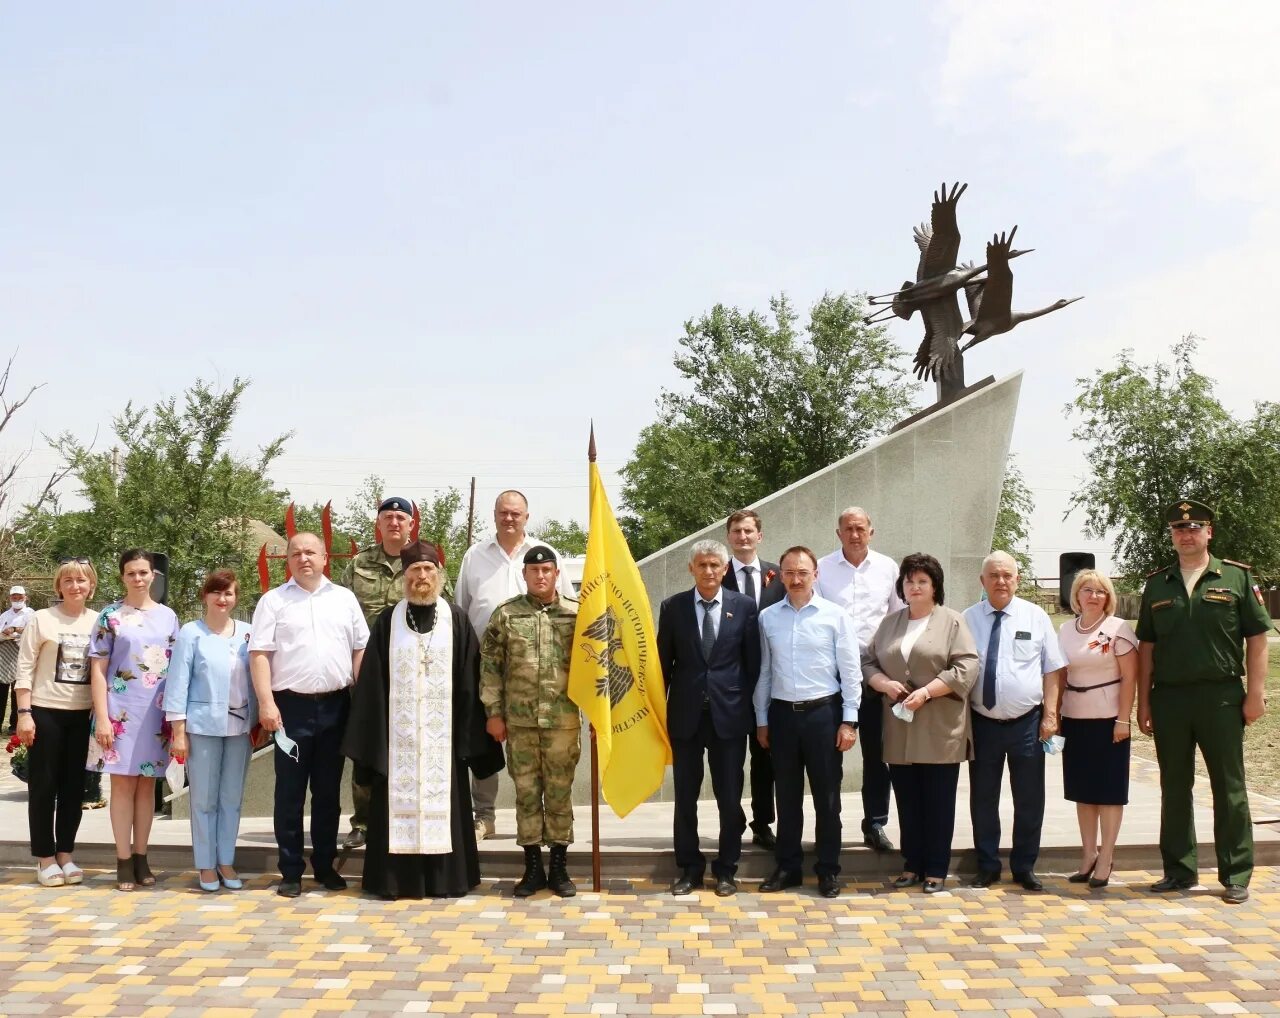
(129, 651)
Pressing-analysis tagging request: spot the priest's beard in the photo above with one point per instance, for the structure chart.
(422, 594)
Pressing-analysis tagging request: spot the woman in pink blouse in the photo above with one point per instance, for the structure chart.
(1097, 701)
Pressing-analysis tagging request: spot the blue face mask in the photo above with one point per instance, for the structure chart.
(286, 744)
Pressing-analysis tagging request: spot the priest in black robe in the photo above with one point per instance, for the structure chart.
(416, 729)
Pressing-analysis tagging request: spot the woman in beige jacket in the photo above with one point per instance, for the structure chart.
(924, 661)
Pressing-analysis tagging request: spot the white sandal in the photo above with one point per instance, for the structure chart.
(51, 875)
(72, 873)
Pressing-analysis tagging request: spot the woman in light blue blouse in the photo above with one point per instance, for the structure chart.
(211, 707)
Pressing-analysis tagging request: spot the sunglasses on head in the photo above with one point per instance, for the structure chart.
(70, 560)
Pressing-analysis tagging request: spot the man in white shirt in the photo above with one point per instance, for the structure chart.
(308, 638)
(493, 572)
(760, 580)
(864, 583)
(12, 622)
(1015, 708)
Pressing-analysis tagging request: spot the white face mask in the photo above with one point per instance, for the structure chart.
(286, 745)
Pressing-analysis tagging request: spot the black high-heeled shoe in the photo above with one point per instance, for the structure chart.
(1098, 882)
(1083, 878)
(905, 881)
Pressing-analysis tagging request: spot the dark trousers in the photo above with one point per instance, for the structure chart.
(926, 798)
(55, 779)
(875, 773)
(762, 813)
(726, 758)
(1208, 716)
(317, 726)
(804, 743)
(1018, 743)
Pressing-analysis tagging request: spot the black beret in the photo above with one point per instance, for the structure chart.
(396, 502)
(1188, 510)
(419, 551)
(539, 553)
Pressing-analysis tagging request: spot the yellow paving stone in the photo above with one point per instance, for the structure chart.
(1137, 1011)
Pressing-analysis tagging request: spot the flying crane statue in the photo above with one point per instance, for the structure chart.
(935, 294)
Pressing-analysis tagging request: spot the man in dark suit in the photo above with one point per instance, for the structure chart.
(709, 648)
(760, 580)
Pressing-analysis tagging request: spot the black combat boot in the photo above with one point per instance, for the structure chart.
(558, 879)
(535, 877)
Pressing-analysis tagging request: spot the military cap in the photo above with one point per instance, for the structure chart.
(419, 551)
(397, 503)
(1187, 512)
(539, 553)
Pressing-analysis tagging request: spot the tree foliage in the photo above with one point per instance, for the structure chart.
(1155, 433)
(22, 559)
(171, 485)
(1013, 522)
(767, 402)
(567, 538)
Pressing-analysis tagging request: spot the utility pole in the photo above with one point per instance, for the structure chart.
(471, 512)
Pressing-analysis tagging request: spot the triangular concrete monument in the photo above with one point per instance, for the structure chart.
(933, 486)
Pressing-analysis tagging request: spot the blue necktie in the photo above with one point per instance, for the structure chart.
(989, 668)
(708, 629)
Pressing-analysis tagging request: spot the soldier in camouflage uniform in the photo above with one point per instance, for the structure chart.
(524, 680)
(376, 577)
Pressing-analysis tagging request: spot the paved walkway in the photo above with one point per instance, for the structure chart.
(640, 846)
(173, 952)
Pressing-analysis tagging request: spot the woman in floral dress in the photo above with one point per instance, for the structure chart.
(130, 649)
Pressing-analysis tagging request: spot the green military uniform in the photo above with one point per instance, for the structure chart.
(376, 579)
(524, 679)
(1196, 698)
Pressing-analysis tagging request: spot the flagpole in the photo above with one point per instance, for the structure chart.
(595, 759)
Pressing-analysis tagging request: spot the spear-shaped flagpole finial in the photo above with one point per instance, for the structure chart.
(591, 445)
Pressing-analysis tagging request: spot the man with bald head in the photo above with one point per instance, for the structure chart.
(492, 572)
(308, 638)
(1015, 708)
(864, 583)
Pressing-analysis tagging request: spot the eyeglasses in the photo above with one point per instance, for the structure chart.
(69, 560)
(1092, 592)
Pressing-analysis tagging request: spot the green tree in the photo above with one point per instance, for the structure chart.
(1013, 522)
(172, 485)
(444, 524)
(766, 403)
(1155, 433)
(24, 555)
(567, 538)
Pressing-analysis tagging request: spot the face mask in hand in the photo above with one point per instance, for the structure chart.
(287, 746)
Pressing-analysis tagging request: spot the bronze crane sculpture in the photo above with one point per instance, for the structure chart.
(989, 313)
(935, 294)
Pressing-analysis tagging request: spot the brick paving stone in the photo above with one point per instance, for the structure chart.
(635, 950)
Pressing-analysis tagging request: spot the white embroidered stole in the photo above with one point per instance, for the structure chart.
(420, 740)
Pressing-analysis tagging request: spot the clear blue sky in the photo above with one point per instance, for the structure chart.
(439, 238)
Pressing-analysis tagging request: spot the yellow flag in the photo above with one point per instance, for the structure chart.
(614, 674)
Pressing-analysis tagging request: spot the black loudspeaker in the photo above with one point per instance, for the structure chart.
(1070, 563)
(160, 585)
